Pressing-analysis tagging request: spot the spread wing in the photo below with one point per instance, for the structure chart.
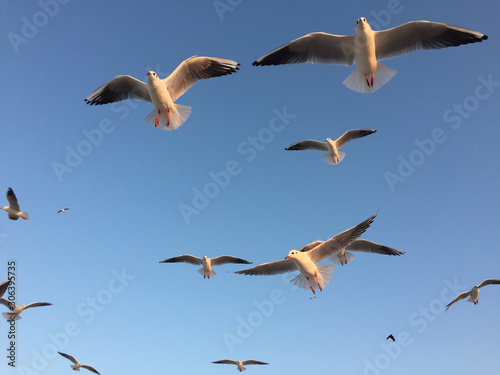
(226, 362)
(311, 246)
(4, 286)
(271, 268)
(372, 247)
(416, 35)
(11, 197)
(312, 48)
(253, 362)
(7, 303)
(37, 304)
(308, 144)
(90, 368)
(351, 135)
(460, 297)
(195, 68)
(118, 89)
(223, 259)
(185, 259)
(488, 282)
(70, 357)
(339, 242)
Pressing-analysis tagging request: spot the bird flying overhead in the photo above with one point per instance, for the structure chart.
(240, 364)
(15, 311)
(13, 209)
(164, 92)
(391, 337)
(63, 210)
(473, 294)
(333, 156)
(366, 47)
(207, 262)
(77, 364)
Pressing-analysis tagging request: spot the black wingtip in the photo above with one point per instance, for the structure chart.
(484, 37)
(255, 63)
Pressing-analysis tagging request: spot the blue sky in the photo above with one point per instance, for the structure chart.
(119, 310)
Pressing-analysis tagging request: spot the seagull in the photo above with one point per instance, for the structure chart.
(3, 287)
(63, 210)
(391, 337)
(241, 364)
(311, 275)
(15, 312)
(473, 294)
(13, 210)
(343, 256)
(77, 364)
(333, 156)
(163, 92)
(366, 47)
(207, 262)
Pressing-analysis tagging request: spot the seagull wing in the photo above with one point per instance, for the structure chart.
(226, 362)
(90, 368)
(339, 242)
(118, 89)
(372, 247)
(460, 297)
(11, 197)
(195, 68)
(308, 144)
(253, 362)
(416, 35)
(271, 268)
(312, 48)
(184, 259)
(4, 286)
(70, 357)
(7, 303)
(484, 283)
(311, 246)
(391, 337)
(351, 135)
(223, 259)
(37, 304)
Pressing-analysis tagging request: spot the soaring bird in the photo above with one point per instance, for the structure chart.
(333, 156)
(391, 337)
(343, 256)
(77, 364)
(207, 262)
(15, 311)
(311, 275)
(3, 287)
(13, 210)
(63, 210)
(366, 47)
(473, 294)
(164, 92)
(240, 364)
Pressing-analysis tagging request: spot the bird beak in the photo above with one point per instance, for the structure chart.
(288, 256)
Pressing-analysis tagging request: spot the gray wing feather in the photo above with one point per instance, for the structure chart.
(351, 135)
(224, 259)
(118, 89)
(7, 303)
(226, 362)
(11, 197)
(4, 286)
(312, 48)
(310, 246)
(308, 144)
(416, 35)
(372, 247)
(460, 297)
(253, 362)
(271, 268)
(37, 304)
(488, 282)
(90, 368)
(185, 259)
(70, 357)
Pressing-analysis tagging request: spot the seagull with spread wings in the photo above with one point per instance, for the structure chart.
(311, 275)
(207, 262)
(333, 156)
(77, 364)
(473, 294)
(366, 47)
(240, 364)
(164, 92)
(15, 311)
(63, 210)
(13, 209)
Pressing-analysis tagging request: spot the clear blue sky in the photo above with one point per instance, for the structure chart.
(127, 188)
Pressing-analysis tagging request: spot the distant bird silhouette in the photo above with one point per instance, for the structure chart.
(473, 294)
(63, 210)
(391, 337)
(207, 262)
(77, 364)
(240, 364)
(13, 210)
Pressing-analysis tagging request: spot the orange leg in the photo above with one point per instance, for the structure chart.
(157, 122)
(168, 123)
(311, 285)
(317, 282)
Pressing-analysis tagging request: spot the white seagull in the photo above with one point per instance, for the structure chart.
(207, 262)
(3, 287)
(164, 92)
(473, 294)
(366, 47)
(77, 364)
(333, 156)
(63, 210)
(13, 210)
(311, 275)
(15, 311)
(343, 256)
(240, 364)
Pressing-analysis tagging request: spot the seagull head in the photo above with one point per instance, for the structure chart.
(361, 22)
(291, 254)
(152, 75)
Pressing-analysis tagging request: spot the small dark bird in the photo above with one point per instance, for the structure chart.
(391, 337)
(63, 210)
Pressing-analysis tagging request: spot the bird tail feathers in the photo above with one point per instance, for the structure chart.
(328, 159)
(336, 258)
(357, 81)
(202, 272)
(325, 274)
(178, 115)
(9, 316)
(25, 216)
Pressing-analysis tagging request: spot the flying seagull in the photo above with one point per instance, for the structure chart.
(333, 156)
(366, 47)
(391, 337)
(164, 92)
(77, 364)
(63, 210)
(473, 294)
(311, 275)
(3, 287)
(15, 311)
(13, 210)
(207, 262)
(343, 256)
(241, 364)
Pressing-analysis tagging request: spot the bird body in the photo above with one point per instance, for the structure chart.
(473, 294)
(63, 210)
(15, 311)
(240, 364)
(13, 209)
(77, 365)
(206, 262)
